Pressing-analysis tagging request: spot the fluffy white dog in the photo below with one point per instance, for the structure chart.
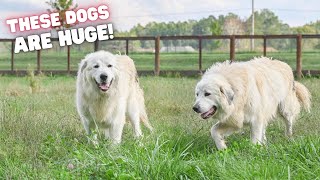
(107, 89)
(251, 93)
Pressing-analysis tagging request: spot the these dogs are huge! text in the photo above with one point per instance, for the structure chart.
(66, 37)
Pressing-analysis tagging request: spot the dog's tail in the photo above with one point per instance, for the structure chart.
(303, 95)
(145, 120)
(143, 114)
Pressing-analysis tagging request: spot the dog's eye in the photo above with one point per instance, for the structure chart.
(207, 94)
(109, 65)
(96, 66)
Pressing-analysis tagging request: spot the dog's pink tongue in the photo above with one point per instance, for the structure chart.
(206, 114)
(104, 87)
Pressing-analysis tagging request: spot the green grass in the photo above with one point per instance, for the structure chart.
(57, 60)
(41, 137)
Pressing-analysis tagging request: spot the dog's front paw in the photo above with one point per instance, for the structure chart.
(93, 139)
(221, 146)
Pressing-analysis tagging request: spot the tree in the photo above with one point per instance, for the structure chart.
(216, 30)
(61, 6)
(266, 22)
(203, 26)
(308, 29)
(233, 25)
(317, 29)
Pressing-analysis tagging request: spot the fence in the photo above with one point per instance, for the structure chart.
(157, 59)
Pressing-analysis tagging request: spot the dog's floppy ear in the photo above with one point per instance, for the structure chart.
(83, 65)
(228, 93)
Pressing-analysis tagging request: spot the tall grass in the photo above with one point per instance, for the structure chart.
(41, 137)
(33, 80)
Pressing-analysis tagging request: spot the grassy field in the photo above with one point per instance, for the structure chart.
(41, 137)
(145, 61)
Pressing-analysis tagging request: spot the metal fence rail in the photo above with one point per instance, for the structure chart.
(157, 66)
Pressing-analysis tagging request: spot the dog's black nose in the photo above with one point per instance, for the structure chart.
(196, 109)
(103, 77)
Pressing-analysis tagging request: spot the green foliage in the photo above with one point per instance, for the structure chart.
(216, 30)
(61, 6)
(203, 26)
(312, 28)
(306, 29)
(267, 22)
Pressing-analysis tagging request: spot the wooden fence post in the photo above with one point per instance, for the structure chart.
(96, 45)
(38, 61)
(299, 62)
(12, 56)
(264, 45)
(200, 54)
(68, 60)
(157, 56)
(127, 46)
(232, 47)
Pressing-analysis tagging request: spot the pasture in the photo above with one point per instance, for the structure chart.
(41, 137)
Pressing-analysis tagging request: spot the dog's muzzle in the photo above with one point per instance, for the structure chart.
(104, 85)
(207, 114)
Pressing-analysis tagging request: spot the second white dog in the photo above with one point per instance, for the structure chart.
(107, 89)
(251, 93)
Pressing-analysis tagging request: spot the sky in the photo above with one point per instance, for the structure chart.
(127, 13)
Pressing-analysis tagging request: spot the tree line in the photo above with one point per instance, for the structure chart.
(266, 22)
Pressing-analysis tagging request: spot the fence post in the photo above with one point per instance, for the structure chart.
(157, 56)
(68, 60)
(200, 54)
(38, 61)
(127, 46)
(264, 45)
(96, 45)
(232, 47)
(12, 56)
(299, 62)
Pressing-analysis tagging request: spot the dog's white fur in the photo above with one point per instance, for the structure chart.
(251, 93)
(103, 104)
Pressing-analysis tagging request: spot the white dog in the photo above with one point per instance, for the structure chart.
(251, 93)
(107, 89)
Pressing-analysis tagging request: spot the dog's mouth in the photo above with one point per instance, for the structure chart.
(104, 86)
(209, 113)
